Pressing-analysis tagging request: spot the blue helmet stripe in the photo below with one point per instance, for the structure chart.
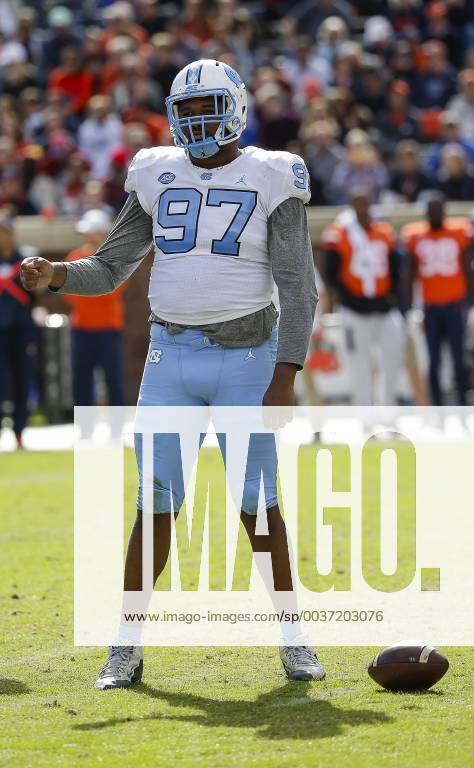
(193, 75)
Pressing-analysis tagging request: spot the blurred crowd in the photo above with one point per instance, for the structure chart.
(378, 93)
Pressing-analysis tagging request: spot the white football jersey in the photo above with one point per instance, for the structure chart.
(210, 229)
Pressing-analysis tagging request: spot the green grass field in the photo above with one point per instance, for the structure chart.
(196, 706)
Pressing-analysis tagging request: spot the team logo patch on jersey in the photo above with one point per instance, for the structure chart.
(206, 176)
(167, 178)
(155, 355)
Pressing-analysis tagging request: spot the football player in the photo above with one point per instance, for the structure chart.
(440, 253)
(361, 272)
(225, 224)
(17, 329)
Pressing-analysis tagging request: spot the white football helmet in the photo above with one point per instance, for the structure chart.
(208, 77)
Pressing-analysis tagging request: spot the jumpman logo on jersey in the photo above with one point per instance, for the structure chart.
(241, 181)
(250, 355)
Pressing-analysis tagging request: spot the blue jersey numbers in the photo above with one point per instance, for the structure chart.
(302, 178)
(245, 201)
(179, 209)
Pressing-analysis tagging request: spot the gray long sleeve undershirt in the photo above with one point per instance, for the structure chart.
(289, 247)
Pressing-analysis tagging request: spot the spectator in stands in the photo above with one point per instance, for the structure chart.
(406, 17)
(361, 167)
(29, 35)
(435, 84)
(10, 127)
(97, 324)
(72, 184)
(136, 136)
(245, 41)
(401, 61)
(99, 135)
(235, 34)
(14, 195)
(30, 107)
(94, 198)
(17, 332)
(134, 73)
(450, 134)
(307, 72)
(408, 179)
(70, 121)
(43, 190)
(454, 178)
(279, 124)
(323, 155)
(18, 74)
(346, 64)
(340, 107)
(310, 15)
(115, 50)
(58, 142)
(185, 46)
(119, 21)
(196, 21)
(370, 83)
(378, 36)
(143, 113)
(398, 120)
(93, 54)
(469, 55)
(439, 252)
(114, 193)
(332, 34)
(438, 26)
(59, 36)
(151, 16)
(163, 60)
(462, 105)
(8, 162)
(71, 80)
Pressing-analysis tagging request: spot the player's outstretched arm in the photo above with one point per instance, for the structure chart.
(127, 244)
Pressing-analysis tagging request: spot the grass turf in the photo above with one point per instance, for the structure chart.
(196, 706)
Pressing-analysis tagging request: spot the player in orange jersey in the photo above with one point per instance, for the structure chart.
(439, 252)
(97, 324)
(361, 272)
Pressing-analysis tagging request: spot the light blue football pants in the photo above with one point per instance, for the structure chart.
(190, 369)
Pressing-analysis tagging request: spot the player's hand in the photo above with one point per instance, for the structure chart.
(36, 273)
(279, 399)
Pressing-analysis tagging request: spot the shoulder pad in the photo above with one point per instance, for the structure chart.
(145, 158)
(290, 178)
(285, 175)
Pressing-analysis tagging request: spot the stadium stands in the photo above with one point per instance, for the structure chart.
(378, 93)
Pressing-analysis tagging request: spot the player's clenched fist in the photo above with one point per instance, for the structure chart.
(36, 273)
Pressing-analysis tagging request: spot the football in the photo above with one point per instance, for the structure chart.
(408, 667)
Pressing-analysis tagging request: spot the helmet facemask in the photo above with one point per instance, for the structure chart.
(192, 132)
